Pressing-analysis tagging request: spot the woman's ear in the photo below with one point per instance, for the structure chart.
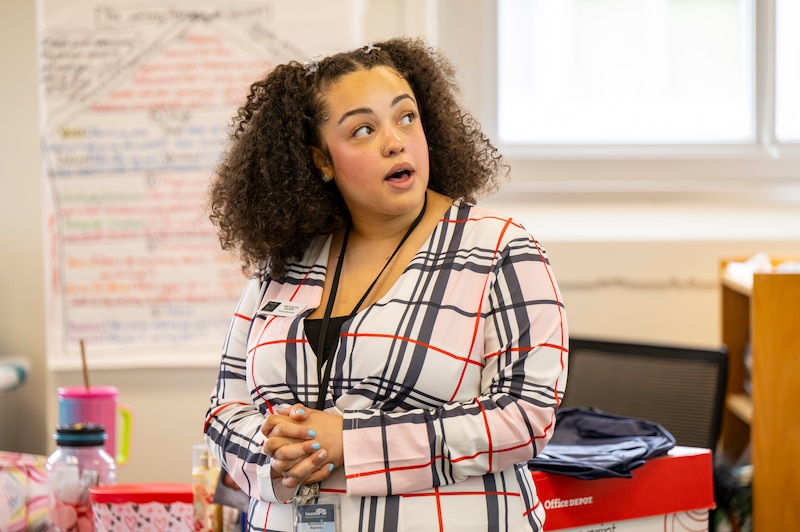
(321, 161)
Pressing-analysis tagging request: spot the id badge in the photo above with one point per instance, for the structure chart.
(315, 511)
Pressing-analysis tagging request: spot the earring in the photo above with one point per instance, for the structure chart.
(326, 178)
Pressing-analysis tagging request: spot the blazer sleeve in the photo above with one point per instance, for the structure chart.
(233, 423)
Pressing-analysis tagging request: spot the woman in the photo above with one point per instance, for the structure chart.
(399, 354)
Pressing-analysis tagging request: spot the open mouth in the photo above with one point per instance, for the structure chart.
(400, 171)
(402, 174)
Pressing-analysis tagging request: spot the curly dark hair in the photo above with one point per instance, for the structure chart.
(267, 198)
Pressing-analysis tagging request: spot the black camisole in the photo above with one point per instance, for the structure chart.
(331, 336)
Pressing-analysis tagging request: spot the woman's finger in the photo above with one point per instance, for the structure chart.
(296, 411)
(281, 446)
(277, 425)
(284, 458)
(320, 474)
(299, 412)
(295, 451)
(298, 473)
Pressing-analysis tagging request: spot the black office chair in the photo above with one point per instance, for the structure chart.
(681, 388)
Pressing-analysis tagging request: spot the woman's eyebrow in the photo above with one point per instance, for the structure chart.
(358, 111)
(367, 110)
(402, 97)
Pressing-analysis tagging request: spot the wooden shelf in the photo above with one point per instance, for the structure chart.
(736, 285)
(764, 319)
(741, 406)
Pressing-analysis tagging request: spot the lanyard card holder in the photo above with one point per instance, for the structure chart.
(315, 511)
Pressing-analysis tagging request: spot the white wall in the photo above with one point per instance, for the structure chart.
(22, 412)
(629, 267)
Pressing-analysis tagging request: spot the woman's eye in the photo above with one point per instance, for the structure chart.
(362, 131)
(408, 118)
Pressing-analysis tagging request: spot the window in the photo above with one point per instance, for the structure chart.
(701, 97)
(787, 71)
(625, 71)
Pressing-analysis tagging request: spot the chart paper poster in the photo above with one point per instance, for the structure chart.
(136, 103)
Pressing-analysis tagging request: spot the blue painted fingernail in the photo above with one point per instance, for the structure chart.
(330, 467)
(315, 446)
(312, 434)
(300, 412)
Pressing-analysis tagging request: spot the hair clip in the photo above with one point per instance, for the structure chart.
(368, 48)
(312, 65)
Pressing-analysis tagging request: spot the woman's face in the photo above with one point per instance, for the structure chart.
(377, 147)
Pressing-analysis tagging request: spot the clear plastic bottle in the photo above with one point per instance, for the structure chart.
(78, 463)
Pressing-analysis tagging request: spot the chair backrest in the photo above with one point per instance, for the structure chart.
(680, 388)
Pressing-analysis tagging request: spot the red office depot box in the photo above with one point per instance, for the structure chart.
(671, 493)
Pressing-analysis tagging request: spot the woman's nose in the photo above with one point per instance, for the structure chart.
(392, 143)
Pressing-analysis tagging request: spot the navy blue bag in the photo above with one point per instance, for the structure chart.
(589, 443)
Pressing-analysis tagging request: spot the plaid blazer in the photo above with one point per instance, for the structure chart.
(448, 385)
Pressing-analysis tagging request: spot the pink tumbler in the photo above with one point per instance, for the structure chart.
(98, 405)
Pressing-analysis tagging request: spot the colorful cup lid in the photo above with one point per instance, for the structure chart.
(83, 392)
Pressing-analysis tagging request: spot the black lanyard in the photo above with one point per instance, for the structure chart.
(325, 361)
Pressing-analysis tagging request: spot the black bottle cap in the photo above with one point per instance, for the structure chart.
(80, 435)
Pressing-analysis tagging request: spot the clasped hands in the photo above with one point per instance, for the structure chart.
(305, 444)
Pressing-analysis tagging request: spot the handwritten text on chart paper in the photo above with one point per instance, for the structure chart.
(137, 101)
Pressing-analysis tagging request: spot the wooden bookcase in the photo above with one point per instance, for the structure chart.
(767, 422)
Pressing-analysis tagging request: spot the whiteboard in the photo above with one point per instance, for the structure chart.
(136, 99)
